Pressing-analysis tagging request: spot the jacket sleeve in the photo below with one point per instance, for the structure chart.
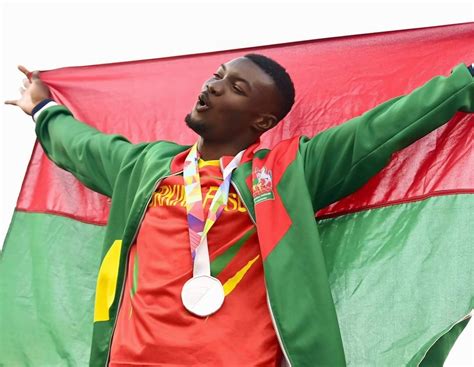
(339, 160)
(94, 158)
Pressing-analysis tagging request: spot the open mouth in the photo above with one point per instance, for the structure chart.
(202, 103)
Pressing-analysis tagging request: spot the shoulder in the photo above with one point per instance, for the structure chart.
(282, 154)
(285, 148)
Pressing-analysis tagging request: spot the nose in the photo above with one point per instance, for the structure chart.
(215, 87)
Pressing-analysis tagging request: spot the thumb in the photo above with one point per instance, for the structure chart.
(12, 102)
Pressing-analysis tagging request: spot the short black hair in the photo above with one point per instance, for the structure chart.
(281, 78)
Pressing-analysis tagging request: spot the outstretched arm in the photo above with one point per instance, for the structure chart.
(338, 161)
(93, 157)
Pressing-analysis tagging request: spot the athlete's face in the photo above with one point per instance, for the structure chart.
(239, 99)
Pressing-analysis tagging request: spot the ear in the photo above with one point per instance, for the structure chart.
(265, 122)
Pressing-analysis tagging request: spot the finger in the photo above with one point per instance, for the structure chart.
(31, 75)
(24, 70)
(26, 83)
(11, 101)
(21, 90)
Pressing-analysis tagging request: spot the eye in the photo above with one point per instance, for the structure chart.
(237, 89)
(217, 76)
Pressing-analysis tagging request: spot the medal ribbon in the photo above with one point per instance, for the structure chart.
(198, 226)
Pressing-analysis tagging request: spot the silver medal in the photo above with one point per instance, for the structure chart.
(202, 295)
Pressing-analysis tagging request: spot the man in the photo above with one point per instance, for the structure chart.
(264, 244)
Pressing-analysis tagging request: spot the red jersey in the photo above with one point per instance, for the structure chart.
(154, 328)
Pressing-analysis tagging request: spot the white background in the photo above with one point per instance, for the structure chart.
(47, 35)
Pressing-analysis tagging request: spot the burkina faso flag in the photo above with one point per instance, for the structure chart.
(399, 251)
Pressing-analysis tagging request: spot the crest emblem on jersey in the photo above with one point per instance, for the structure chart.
(262, 185)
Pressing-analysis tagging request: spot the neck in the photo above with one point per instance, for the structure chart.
(214, 150)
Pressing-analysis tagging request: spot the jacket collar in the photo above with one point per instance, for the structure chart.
(177, 163)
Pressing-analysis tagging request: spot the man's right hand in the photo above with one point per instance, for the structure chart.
(32, 92)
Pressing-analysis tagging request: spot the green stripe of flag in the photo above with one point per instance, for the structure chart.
(401, 277)
(48, 271)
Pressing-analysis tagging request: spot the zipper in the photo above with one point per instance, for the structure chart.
(280, 341)
(127, 256)
(444, 333)
(243, 201)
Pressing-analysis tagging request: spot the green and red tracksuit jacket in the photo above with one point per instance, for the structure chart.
(282, 188)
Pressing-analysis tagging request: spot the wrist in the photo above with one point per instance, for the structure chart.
(35, 112)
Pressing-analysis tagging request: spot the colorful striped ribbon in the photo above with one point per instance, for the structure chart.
(198, 226)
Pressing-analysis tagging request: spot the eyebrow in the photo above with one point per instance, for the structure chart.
(238, 78)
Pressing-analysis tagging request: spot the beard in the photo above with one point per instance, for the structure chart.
(199, 127)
